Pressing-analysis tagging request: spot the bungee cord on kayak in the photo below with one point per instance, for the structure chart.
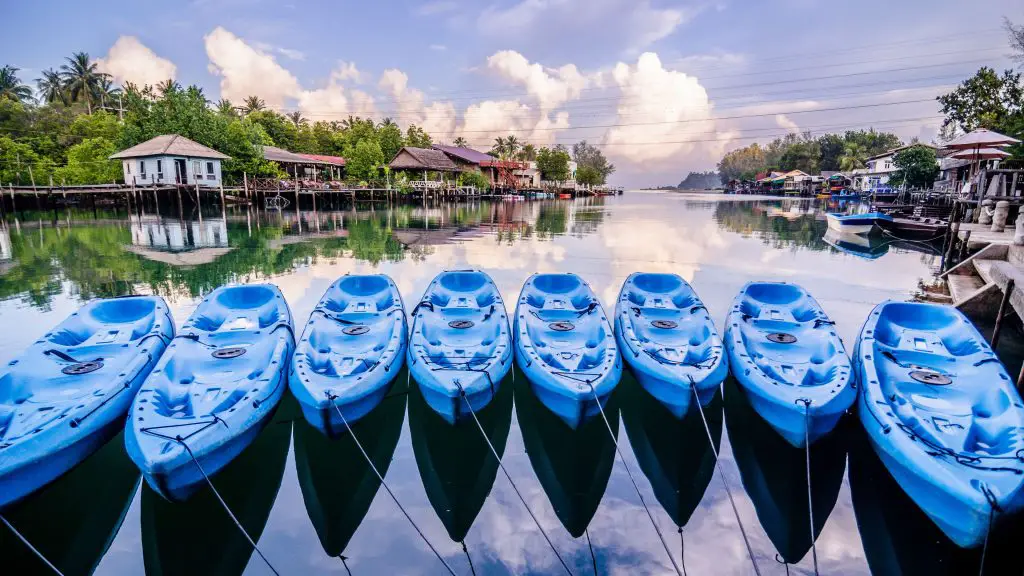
(28, 544)
(331, 398)
(494, 452)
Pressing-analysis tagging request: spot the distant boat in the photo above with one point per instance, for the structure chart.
(855, 223)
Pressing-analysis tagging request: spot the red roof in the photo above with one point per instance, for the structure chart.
(336, 160)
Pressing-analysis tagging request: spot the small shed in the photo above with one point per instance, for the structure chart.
(171, 159)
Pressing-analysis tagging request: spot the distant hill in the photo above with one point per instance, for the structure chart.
(700, 181)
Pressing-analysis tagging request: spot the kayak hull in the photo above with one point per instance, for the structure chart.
(214, 390)
(669, 340)
(943, 416)
(68, 393)
(566, 347)
(788, 360)
(460, 348)
(350, 352)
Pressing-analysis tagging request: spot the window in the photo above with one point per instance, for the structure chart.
(159, 169)
(197, 168)
(142, 169)
(209, 171)
(128, 167)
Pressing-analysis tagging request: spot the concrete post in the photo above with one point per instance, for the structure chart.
(999, 217)
(985, 216)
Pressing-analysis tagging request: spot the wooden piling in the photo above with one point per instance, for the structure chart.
(964, 246)
(1002, 313)
(954, 235)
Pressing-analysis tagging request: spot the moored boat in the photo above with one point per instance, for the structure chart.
(788, 359)
(461, 346)
(669, 340)
(943, 416)
(855, 223)
(565, 346)
(214, 389)
(350, 351)
(68, 393)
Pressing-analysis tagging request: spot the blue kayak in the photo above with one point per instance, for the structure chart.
(565, 346)
(351, 350)
(943, 415)
(667, 336)
(213, 390)
(460, 347)
(787, 357)
(67, 394)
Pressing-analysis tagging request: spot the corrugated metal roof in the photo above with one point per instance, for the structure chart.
(169, 144)
(464, 154)
(422, 159)
(335, 160)
(275, 154)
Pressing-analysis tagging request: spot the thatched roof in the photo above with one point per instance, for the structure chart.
(409, 158)
(335, 160)
(170, 145)
(280, 155)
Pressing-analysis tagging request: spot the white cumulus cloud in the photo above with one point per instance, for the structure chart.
(409, 107)
(551, 87)
(246, 71)
(129, 60)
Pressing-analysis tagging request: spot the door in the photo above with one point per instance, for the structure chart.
(180, 171)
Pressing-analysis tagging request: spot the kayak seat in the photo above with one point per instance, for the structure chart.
(355, 294)
(240, 309)
(333, 353)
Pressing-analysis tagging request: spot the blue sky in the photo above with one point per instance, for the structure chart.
(665, 87)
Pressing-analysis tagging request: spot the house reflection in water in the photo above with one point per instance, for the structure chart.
(187, 243)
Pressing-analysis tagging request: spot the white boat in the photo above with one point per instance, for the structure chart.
(854, 223)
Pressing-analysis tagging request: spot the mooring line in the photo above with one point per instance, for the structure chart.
(810, 500)
(682, 549)
(615, 442)
(373, 467)
(590, 545)
(462, 392)
(226, 507)
(345, 564)
(472, 570)
(725, 482)
(30, 546)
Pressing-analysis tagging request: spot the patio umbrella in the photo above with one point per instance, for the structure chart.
(980, 138)
(981, 154)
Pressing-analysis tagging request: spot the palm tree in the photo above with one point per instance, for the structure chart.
(528, 153)
(195, 92)
(296, 118)
(51, 87)
(11, 87)
(106, 91)
(512, 145)
(500, 147)
(854, 156)
(80, 78)
(167, 87)
(387, 122)
(460, 142)
(253, 104)
(226, 108)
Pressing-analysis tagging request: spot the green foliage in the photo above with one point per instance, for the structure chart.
(15, 159)
(417, 137)
(364, 160)
(11, 87)
(553, 164)
(697, 181)
(916, 167)
(390, 137)
(986, 100)
(88, 163)
(592, 168)
(475, 178)
(801, 152)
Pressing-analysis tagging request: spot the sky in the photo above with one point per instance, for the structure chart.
(663, 87)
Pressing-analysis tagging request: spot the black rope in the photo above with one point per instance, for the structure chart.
(462, 392)
(30, 546)
(345, 564)
(682, 549)
(336, 318)
(159, 335)
(590, 545)
(984, 548)
(590, 308)
(67, 357)
(615, 441)
(331, 398)
(810, 501)
(468, 557)
(423, 304)
(782, 561)
(728, 492)
(226, 508)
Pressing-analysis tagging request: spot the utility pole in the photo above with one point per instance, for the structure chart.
(120, 108)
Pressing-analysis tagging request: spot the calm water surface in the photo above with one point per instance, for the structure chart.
(316, 507)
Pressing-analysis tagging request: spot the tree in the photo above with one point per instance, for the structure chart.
(512, 146)
(831, 148)
(11, 87)
(460, 142)
(106, 91)
(296, 118)
(916, 167)
(51, 87)
(986, 100)
(253, 104)
(553, 164)
(1016, 34)
(590, 157)
(802, 154)
(88, 163)
(225, 107)
(390, 137)
(588, 176)
(363, 161)
(528, 153)
(81, 78)
(742, 164)
(499, 149)
(417, 137)
(854, 156)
